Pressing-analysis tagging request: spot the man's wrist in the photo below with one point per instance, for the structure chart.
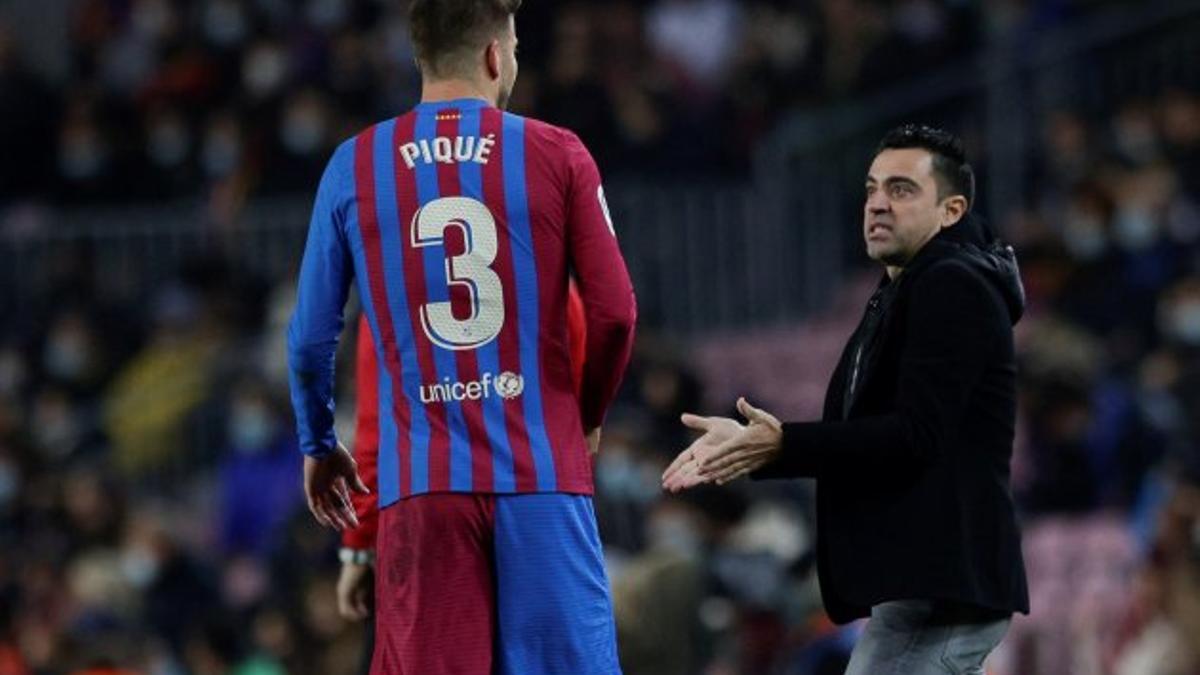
(356, 556)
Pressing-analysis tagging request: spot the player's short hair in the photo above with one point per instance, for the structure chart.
(953, 174)
(446, 32)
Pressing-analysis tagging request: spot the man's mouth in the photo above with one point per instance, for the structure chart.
(878, 230)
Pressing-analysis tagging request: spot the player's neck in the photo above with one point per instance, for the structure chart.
(450, 90)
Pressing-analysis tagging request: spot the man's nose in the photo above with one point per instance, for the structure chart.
(878, 203)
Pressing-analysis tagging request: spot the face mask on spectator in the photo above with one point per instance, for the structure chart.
(264, 70)
(221, 153)
(303, 129)
(1085, 238)
(622, 477)
(168, 143)
(139, 566)
(225, 23)
(1135, 229)
(1183, 322)
(66, 357)
(251, 428)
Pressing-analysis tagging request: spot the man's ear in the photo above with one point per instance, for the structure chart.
(492, 58)
(953, 210)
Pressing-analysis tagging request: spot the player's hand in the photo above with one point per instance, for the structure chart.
(756, 445)
(327, 485)
(593, 441)
(684, 472)
(355, 588)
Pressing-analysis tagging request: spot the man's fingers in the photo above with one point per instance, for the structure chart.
(318, 511)
(344, 503)
(315, 509)
(734, 471)
(345, 606)
(359, 486)
(677, 464)
(689, 479)
(687, 476)
(721, 455)
(756, 414)
(329, 507)
(695, 422)
(354, 607)
(750, 412)
(363, 603)
(328, 516)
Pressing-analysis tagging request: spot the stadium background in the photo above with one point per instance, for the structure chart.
(159, 158)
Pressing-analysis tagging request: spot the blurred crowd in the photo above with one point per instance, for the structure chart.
(170, 98)
(150, 512)
(1110, 392)
(151, 515)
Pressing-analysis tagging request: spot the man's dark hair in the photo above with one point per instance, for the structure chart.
(445, 31)
(953, 174)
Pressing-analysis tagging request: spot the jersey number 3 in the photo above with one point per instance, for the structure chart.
(471, 270)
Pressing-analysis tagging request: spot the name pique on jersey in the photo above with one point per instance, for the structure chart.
(446, 150)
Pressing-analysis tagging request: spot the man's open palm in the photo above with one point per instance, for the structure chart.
(684, 472)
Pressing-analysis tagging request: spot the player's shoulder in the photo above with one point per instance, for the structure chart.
(560, 138)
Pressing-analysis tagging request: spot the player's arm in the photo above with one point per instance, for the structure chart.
(354, 588)
(610, 310)
(313, 333)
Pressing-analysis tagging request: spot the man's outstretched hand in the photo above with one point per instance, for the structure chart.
(684, 472)
(727, 450)
(757, 444)
(327, 485)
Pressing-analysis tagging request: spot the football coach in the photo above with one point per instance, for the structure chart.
(915, 519)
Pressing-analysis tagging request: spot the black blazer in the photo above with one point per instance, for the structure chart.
(912, 468)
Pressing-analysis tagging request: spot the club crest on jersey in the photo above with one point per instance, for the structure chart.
(507, 385)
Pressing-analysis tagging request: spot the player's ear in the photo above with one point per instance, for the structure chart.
(492, 59)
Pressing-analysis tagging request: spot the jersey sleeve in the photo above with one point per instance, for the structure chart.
(316, 325)
(610, 310)
(366, 441)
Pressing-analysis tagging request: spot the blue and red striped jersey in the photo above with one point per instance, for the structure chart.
(460, 224)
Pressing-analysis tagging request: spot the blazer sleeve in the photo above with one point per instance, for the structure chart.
(954, 322)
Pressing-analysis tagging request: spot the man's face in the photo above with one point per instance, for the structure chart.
(902, 210)
(508, 64)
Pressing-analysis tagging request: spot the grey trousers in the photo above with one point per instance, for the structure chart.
(915, 637)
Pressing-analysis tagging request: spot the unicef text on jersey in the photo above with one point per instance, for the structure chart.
(506, 385)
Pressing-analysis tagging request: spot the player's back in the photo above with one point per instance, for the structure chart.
(465, 224)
